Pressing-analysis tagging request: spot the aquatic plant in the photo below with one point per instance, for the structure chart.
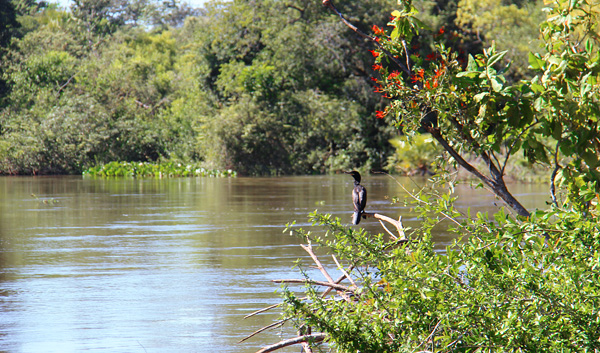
(155, 170)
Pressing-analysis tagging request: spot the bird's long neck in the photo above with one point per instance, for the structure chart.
(356, 182)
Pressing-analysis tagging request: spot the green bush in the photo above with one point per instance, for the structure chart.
(503, 285)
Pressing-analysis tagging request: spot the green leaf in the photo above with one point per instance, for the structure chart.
(469, 74)
(395, 33)
(535, 61)
(589, 46)
(480, 96)
(472, 64)
(495, 58)
(496, 85)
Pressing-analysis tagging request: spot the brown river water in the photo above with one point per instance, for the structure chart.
(171, 265)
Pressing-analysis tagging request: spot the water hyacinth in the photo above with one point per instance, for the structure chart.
(155, 170)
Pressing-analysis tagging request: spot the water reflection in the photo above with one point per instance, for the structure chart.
(161, 265)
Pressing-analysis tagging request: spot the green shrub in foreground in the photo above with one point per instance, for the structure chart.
(155, 170)
(507, 286)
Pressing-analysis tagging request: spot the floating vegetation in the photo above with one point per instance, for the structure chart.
(155, 170)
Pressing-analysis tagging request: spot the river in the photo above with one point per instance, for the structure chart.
(171, 265)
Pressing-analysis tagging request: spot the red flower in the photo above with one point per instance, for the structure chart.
(377, 67)
(394, 74)
(434, 84)
(419, 76)
(373, 79)
(374, 53)
(378, 31)
(379, 114)
(430, 57)
(441, 31)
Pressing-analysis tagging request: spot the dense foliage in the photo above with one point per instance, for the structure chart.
(261, 86)
(518, 280)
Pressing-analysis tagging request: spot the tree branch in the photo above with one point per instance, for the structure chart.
(275, 324)
(497, 185)
(329, 4)
(553, 176)
(310, 281)
(308, 249)
(315, 337)
(395, 223)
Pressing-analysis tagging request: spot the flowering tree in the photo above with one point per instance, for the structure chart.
(469, 107)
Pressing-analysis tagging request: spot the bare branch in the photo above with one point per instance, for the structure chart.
(308, 249)
(273, 325)
(310, 281)
(339, 280)
(65, 84)
(395, 223)
(262, 310)
(341, 268)
(315, 337)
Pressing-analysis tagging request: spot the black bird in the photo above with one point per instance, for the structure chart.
(359, 197)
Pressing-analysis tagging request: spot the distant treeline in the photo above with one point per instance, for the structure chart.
(257, 86)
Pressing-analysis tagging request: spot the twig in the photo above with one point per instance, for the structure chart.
(308, 249)
(427, 203)
(262, 310)
(330, 5)
(315, 337)
(339, 280)
(341, 268)
(387, 230)
(553, 176)
(310, 281)
(65, 85)
(273, 325)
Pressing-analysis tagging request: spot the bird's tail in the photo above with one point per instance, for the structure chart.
(356, 217)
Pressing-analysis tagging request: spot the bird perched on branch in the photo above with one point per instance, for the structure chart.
(359, 197)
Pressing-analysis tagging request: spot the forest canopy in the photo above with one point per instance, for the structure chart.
(258, 86)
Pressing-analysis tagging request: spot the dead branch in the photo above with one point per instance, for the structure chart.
(305, 345)
(308, 249)
(262, 310)
(395, 223)
(273, 325)
(339, 280)
(315, 337)
(310, 281)
(341, 268)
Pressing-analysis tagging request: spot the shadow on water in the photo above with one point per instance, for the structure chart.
(130, 265)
